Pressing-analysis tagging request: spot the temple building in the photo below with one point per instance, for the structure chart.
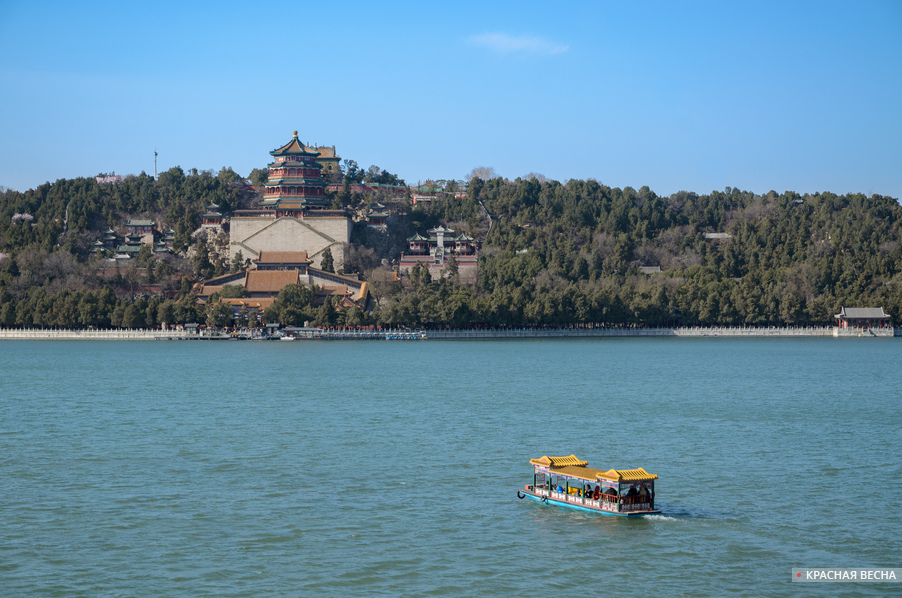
(212, 217)
(871, 321)
(377, 217)
(110, 239)
(295, 180)
(140, 227)
(274, 270)
(283, 260)
(108, 242)
(293, 214)
(140, 232)
(168, 237)
(435, 252)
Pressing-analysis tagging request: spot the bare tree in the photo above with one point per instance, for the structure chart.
(360, 259)
(537, 176)
(383, 281)
(482, 172)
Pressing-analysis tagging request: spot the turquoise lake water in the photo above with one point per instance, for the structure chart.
(380, 468)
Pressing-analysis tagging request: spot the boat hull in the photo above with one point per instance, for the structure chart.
(588, 506)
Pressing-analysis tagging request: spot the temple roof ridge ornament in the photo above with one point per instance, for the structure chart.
(294, 147)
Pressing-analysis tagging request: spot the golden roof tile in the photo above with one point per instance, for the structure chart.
(630, 475)
(559, 461)
(573, 467)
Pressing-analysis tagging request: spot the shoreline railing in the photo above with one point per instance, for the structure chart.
(399, 333)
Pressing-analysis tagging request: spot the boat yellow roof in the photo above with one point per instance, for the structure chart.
(575, 471)
(576, 468)
(629, 475)
(559, 461)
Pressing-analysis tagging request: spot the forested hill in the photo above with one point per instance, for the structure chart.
(175, 198)
(554, 253)
(560, 253)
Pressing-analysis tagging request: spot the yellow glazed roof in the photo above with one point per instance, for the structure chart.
(574, 471)
(574, 467)
(559, 461)
(631, 475)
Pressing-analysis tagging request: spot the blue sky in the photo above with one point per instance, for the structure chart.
(802, 96)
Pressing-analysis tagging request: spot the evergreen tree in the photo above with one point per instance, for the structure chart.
(237, 262)
(326, 262)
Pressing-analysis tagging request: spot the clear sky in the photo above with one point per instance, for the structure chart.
(802, 96)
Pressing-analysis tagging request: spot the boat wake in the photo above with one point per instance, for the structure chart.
(660, 518)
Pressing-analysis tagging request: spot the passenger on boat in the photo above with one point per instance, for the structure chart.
(597, 493)
(643, 494)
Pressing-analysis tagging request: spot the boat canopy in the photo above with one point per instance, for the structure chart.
(559, 461)
(575, 468)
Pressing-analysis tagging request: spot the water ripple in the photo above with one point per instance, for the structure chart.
(240, 469)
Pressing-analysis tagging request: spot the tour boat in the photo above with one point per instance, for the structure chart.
(568, 482)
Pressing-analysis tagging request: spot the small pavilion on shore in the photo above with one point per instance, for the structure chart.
(862, 318)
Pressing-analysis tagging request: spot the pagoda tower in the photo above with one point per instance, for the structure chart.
(295, 180)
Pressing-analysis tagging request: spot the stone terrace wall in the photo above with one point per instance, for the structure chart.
(252, 235)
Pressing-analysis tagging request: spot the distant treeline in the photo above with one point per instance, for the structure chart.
(175, 199)
(94, 309)
(564, 253)
(554, 254)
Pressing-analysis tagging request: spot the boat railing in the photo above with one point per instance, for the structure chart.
(638, 506)
(608, 502)
(635, 500)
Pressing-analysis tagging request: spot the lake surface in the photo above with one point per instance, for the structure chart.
(380, 468)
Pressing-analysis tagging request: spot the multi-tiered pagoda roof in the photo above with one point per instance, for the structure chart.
(295, 179)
